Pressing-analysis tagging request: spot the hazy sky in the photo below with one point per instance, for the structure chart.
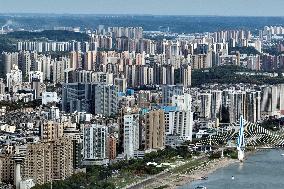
(158, 7)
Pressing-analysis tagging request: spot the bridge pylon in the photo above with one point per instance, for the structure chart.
(241, 140)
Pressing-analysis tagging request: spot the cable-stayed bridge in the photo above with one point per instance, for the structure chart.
(241, 134)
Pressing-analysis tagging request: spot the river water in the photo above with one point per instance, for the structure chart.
(263, 170)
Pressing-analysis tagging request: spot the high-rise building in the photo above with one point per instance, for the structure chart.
(216, 104)
(253, 104)
(75, 60)
(62, 159)
(2, 86)
(89, 59)
(168, 91)
(106, 99)
(235, 102)
(155, 130)
(112, 142)
(182, 102)
(46, 161)
(9, 60)
(200, 61)
(95, 143)
(103, 77)
(179, 117)
(185, 75)
(58, 68)
(272, 101)
(130, 135)
(7, 168)
(72, 132)
(77, 97)
(51, 130)
(167, 75)
(205, 111)
(179, 123)
(25, 62)
(96, 98)
(121, 84)
(14, 79)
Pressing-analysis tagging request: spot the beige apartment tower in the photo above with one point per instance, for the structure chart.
(48, 161)
(155, 130)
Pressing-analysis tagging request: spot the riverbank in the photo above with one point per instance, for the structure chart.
(187, 172)
(203, 171)
(261, 170)
(200, 172)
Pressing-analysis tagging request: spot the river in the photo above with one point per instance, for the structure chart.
(262, 170)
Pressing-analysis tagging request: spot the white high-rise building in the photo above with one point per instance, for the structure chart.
(14, 79)
(131, 135)
(180, 121)
(205, 111)
(182, 102)
(95, 143)
(45, 66)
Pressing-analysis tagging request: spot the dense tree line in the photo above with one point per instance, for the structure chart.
(272, 124)
(138, 166)
(244, 50)
(227, 75)
(80, 180)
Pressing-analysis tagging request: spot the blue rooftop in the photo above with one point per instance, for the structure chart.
(169, 108)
